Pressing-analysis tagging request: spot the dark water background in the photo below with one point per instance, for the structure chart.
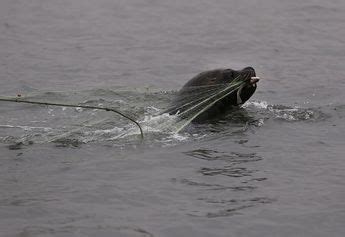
(274, 168)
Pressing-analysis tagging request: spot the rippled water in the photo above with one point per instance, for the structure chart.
(275, 167)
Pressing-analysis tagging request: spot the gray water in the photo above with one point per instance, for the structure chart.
(275, 167)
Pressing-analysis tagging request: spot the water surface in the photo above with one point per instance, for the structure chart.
(273, 168)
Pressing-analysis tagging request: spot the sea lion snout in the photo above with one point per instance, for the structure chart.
(249, 75)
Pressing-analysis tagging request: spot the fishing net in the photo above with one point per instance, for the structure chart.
(188, 105)
(195, 100)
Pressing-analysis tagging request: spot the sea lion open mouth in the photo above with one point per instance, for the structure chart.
(213, 92)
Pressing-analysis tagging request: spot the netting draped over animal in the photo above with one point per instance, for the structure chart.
(193, 101)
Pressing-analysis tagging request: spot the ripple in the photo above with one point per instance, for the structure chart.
(232, 157)
(227, 171)
(214, 187)
(97, 230)
(234, 206)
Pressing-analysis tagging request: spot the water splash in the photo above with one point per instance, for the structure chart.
(38, 124)
(282, 112)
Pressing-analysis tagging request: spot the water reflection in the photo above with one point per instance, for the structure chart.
(213, 187)
(228, 183)
(226, 170)
(96, 230)
(235, 205)
(233, 157)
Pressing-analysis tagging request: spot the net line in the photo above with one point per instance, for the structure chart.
(193, 101)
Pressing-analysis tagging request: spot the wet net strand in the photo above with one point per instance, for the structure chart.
(199, 99)
(20, 100)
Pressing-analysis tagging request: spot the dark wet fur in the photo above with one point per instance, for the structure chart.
(212, 78)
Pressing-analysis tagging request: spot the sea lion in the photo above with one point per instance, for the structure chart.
(211, 79)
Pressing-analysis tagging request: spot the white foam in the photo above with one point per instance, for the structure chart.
(158, 123)
(26, 128)
(257, 104)
(114, 130)
(290, 114)
(79, 109)
(153, 108)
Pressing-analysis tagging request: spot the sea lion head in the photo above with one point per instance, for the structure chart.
(247, 75)
(205, 87)
(225, 76)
